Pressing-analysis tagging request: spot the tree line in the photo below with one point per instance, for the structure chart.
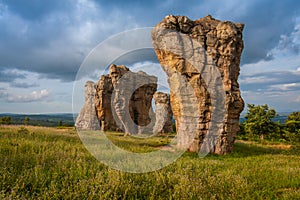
(36, 122)
(259, 124)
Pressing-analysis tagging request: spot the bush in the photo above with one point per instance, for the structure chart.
(293, 122)
(5, 120)
(23, 130)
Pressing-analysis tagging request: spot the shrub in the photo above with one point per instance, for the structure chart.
(23, 130)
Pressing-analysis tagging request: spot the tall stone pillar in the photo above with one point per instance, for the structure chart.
(201, 59)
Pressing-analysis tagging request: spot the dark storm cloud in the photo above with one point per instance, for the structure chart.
(139, 55)
(53, 37)
(265, 20)
(35, 9)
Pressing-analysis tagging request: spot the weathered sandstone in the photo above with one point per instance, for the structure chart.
(201, 59)
(124, 100)
(163, 113)
(87, 118)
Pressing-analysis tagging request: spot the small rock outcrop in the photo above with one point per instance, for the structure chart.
(87, 118)
(181, 44)
(163, 113)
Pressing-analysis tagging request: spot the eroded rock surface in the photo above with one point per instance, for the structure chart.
(87, 118)
(130, 95)
(103, 104)
(189, 52)
(163, 113)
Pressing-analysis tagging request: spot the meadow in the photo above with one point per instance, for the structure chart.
(52, 163)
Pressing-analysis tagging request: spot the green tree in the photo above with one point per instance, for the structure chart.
(258, 120)
(5, 120)
(292, 127)
(26, 120)
(293, 122)
(60, 123)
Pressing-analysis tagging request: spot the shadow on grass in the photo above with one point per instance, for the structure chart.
(250, 150)
(245, 150)
(140, 143)
(153, 142)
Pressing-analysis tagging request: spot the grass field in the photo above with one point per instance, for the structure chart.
(50, 163)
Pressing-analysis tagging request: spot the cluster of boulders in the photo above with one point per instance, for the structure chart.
(202, 61)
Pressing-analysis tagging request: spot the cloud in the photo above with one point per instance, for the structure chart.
(276, 80)
(23, 85)
(16, 78)
(3, 93)
(274, 99)
(10, 75)
(35, 96)
(53, 37)
(286, 87)
(34, 10)
(56, 44)
(43, 43)
(288, 44)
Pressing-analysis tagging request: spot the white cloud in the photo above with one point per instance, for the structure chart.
(257, 79)
(32, 97)
(288, 44)
(281, 101)
(285, 87)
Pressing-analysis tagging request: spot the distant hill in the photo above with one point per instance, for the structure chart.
(49, 120)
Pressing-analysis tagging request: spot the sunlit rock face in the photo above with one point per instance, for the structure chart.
(123, 100)
(87, 118)
(103, 104)
(202, 61)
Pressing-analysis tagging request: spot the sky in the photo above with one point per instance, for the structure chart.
(43, 44)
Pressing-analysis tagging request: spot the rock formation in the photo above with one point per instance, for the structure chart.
(123, 100)
(103, 104)
(163, 113)
(201, 59)
(87, 118)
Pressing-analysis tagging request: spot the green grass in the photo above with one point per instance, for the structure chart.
(49, 163)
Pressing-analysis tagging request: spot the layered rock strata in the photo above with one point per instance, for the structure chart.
(201, 59)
